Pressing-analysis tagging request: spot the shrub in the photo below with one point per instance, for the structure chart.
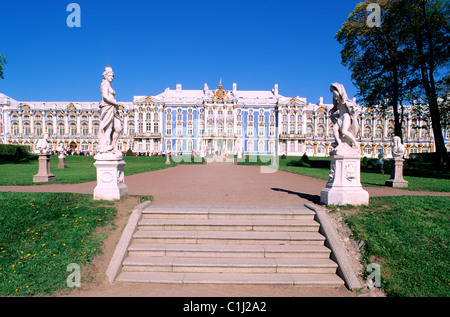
(15, 153)
(129, 153)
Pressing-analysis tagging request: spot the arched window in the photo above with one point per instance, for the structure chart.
(37, 129)
(15, 128)
(61, 129)
(26, 128)
(73, 129)
(367, 132)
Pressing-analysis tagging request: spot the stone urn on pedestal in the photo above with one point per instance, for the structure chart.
(108, 161)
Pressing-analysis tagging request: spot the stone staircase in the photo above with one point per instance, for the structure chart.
(245, 245)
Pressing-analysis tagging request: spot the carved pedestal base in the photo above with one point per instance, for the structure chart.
(62, 161)
(110, 180)
(344, 184)
(44, 175)
(396, 179)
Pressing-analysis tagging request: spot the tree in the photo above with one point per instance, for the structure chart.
(375, 57)
(399, 60)
(2, 62)
(426, 28)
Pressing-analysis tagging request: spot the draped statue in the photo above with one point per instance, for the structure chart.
(344, 116)
(110, 125)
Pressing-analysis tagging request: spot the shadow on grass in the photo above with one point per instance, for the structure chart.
(315, 199)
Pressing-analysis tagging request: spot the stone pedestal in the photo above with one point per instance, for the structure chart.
(62, 161)
(344, 184)
(44, 175)
(396, 179)
(110, 178)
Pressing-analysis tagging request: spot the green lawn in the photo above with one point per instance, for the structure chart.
(42, 233)
(81, 169)
(410, 238)
(320, 168)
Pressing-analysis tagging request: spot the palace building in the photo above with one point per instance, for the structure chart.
(208, 121)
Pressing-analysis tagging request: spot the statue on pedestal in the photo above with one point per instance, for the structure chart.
(43, 145)
(344, 116)
(398, 150)
(344, 183)
(110, 124)
(108, 161)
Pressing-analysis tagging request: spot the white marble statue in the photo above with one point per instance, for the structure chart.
(110, 124)
(345, 121)
(43, 146)
(398, 150)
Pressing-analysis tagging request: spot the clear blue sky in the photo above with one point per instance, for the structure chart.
(152, 45)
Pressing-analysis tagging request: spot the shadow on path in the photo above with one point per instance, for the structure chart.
(315, 199)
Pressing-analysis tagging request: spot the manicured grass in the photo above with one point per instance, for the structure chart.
(42, 233)
(320, 168)
(410, 238)
(81, 169)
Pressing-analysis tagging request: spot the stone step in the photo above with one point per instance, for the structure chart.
(229, 237)
(215, 250)
(245, 213)
(305, 280)
(229, 265)
(228, 225)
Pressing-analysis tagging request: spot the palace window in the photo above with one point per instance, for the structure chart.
(250, 131)
(261, 118)
(38, 129)
(179, 129)
(49, 128)
(239, 130)
(272, 119)
(148, 126)
(321, 131)
(271, 131)
(169, 129)
(73, 129)
(148, 116)
(284, 129)
(367, 132)
(155, 127)
(229, 129)
(26, 128)
(292, 129)
(60, 129)
(190, 130)
(379, 133)
(140, 127)
(261, 131)
(130, 129)
(84, 129)
(220, 129)
(390, 132)
(309, 131)
(250, 118)
(169, 117)
(368, 149)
